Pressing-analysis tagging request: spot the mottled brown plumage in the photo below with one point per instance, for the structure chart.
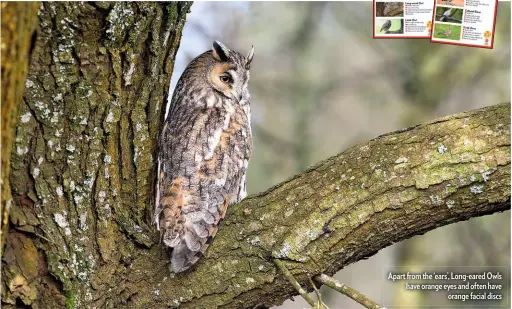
(205, 147)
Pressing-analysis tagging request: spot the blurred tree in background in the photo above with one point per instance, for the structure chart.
(320, 83)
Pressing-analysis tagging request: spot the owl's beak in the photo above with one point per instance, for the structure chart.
(237, 95)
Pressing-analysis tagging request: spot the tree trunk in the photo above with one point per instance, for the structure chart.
(80, 233)
(379, 9)
(19, 21)
(83, 169)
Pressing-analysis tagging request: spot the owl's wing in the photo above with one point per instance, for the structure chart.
(192, 195)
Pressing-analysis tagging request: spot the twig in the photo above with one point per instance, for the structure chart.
(288, 275)
(320, 303)
(348, 291)
(48, 240)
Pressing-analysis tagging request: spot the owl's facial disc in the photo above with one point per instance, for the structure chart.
(229, 73)
(222, 79)
(225, 79)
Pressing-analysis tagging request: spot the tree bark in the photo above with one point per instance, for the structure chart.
(379, 9)
(83, 184)
(83, 170)
(19, 21)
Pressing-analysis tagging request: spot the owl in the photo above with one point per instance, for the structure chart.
(204, 150)
(386, 26)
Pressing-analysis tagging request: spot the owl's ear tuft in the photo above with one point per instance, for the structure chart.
(249, 58)
(220, 51)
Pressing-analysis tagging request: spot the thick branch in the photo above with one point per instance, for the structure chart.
(342, 210)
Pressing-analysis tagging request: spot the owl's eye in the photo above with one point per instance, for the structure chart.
(226, 78)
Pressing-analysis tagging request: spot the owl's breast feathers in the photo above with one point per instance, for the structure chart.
(202, 165)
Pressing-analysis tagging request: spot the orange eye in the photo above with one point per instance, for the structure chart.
(226, 79)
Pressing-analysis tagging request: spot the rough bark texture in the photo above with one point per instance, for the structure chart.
(83, 165)
(379, 9)
(83, 180)
(19, 21)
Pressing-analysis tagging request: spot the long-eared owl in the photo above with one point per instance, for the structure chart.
(204, 151)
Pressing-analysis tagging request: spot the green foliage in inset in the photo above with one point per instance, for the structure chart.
(449, 32)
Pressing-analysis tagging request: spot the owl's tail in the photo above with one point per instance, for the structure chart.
(183, 257)
(185, 227)
(197, 237)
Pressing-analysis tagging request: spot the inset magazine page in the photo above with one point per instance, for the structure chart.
(464, 22)
(402, 19)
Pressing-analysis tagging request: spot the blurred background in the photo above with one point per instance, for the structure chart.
(320, 83)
